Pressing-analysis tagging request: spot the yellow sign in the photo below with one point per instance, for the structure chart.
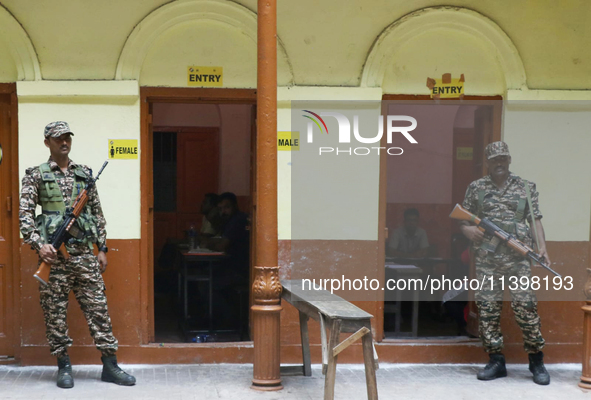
(464, 153)
(288, 141)
(205, 76)
(123, 149)
(446, 87)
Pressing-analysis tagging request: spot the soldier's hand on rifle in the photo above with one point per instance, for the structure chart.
(544, 254)
(48, 254)
(472, 233)
(102, 259)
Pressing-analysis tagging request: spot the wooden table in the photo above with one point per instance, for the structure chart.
(397, 271)
(200, 258)
(337, 315)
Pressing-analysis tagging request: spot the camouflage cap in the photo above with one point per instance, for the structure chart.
(56, 129)
(496, 149)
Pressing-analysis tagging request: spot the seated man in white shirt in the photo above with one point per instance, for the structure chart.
(211, 224)
(408, 240)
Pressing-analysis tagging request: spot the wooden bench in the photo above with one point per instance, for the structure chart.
(337, 315)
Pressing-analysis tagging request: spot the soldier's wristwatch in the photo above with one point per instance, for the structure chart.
(104, 249)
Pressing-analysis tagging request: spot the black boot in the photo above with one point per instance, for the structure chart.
(65, 379)
(536, 366)
(112, 372)
(494, 369)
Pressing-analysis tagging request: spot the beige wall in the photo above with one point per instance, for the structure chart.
(328, 46)
(191, 44)
(94, 118)
(377, 47)
(8, 72)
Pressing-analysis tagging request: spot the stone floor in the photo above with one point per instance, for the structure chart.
(232, 381)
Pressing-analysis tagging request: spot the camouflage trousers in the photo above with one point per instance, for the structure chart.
(496, 270)
(80, 274)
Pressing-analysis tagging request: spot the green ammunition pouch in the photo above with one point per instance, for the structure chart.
(54, 208)
(513, 226)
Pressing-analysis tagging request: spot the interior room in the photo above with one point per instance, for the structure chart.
(444, 163)
(202, 151)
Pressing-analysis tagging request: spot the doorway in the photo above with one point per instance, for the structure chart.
(418, 192)
(197, 152)
(9, 328)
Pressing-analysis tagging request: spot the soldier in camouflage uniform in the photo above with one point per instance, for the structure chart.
(502, 197)
(54, 185)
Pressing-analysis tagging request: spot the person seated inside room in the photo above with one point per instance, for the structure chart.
(234, 273)
(235, 235)
(211, 223)
(408, 240)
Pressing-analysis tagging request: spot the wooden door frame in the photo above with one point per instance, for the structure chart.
(427, 100)
(148, 96)
(14, 276)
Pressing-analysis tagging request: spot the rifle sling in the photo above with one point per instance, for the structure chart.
(531, 212)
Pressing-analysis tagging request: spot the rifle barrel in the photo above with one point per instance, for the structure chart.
(101, 170)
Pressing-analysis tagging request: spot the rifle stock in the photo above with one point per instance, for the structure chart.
(462, 214)
(42, 274)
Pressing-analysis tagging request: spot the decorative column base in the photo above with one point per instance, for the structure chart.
(585, 382)
(266, 329)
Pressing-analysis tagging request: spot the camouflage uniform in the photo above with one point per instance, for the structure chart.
(507, 208)
(80, 272)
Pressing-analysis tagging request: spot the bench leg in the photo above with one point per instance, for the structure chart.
(370, 371)
(305, 344)
(331, 370)
(376, 363)
(324, 345)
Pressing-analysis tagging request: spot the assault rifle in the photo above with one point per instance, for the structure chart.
(487, 226)
(68, 229)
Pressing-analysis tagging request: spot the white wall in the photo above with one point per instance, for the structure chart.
(327, 197)
(550, 144)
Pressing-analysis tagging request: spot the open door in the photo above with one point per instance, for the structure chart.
(253, 203)
(8, 217)
(147, 204)
(445, 164)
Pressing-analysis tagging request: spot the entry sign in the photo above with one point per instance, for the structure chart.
(123, 149)
(205, 76)
(288, 141)
(446, 87)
